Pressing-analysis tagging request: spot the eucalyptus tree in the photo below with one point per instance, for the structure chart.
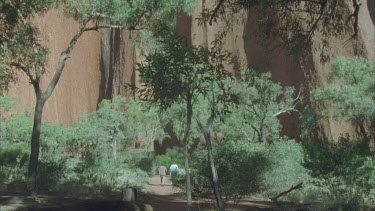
(21, 49)
(351, 91)
(259, 104)
(181, 74)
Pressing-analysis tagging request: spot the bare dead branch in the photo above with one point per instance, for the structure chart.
(108, 26)
(294, 187)
(296, 101)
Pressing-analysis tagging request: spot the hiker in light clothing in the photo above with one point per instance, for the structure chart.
(162, 173)
(174, 170)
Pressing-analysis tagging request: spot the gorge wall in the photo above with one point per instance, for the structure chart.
(104, 62)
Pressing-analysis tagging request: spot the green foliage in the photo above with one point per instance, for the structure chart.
(175, 73)
(13, 160)
(19, 36)
(246, 169)
(18, 128)
(351, 90)
(7, 103)
(259, 101)
(239, 168)
(171, 154)
(128, 13)
(18, 39)
(138, 158)
(14, 154)
(115, 125)
(344, 172)
(176, 116)
(285, 169)
(293, 22)
(142, 122)
(116, 174)
(79, 159)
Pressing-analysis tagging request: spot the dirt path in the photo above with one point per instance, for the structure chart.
(166, 198)
(163, 197)
(160, 197)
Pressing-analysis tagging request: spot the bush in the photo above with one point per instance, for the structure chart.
(137, 158)
(12, 154)
(245, 169)
(239, 167)
(285, 169)
(171, 154)
(13, 166)
(344, 172)
(51, 170)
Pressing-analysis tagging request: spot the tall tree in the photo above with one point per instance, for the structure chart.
(181, 74)
(21, 49)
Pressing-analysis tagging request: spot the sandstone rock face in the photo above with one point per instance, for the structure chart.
(78, 90)
(103, 63)
(288, 71)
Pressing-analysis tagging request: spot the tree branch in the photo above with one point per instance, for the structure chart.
(298, 186)
(35, 45)
(215, 11)
(296, 101)
(63, 57)
(24, 69)
(108, 26)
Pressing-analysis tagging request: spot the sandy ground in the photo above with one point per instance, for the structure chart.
(167, 198)
(160, 197)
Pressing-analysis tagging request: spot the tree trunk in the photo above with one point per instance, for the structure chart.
(189, 114)
(41, 98)
(362, 129)
(114, 148)
(35, 139)
(114, 135)
(215, 177)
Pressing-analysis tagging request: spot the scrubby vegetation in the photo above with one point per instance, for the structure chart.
(229, 126)
(90, 158)
(109, 149)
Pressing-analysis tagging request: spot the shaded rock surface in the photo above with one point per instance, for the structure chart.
(103, 63)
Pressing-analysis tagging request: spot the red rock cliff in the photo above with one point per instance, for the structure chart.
(102, 63)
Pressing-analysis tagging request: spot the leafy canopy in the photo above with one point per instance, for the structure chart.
(259, 101)
(351, 89)
(20, 44)
(176, 73)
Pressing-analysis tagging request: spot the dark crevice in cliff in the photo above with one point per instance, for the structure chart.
(115, 64)
(371, 9)
(183, 26)
(266, 56)
(106, 68)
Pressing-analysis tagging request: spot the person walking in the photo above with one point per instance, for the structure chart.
(162, 173)
(173, 171)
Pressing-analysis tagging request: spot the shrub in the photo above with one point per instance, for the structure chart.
(285, 169)
(13, 166)
(239, 166)
(171, 154)
(344, 172)
(12, 154)
(137, 158)
(51, 169)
